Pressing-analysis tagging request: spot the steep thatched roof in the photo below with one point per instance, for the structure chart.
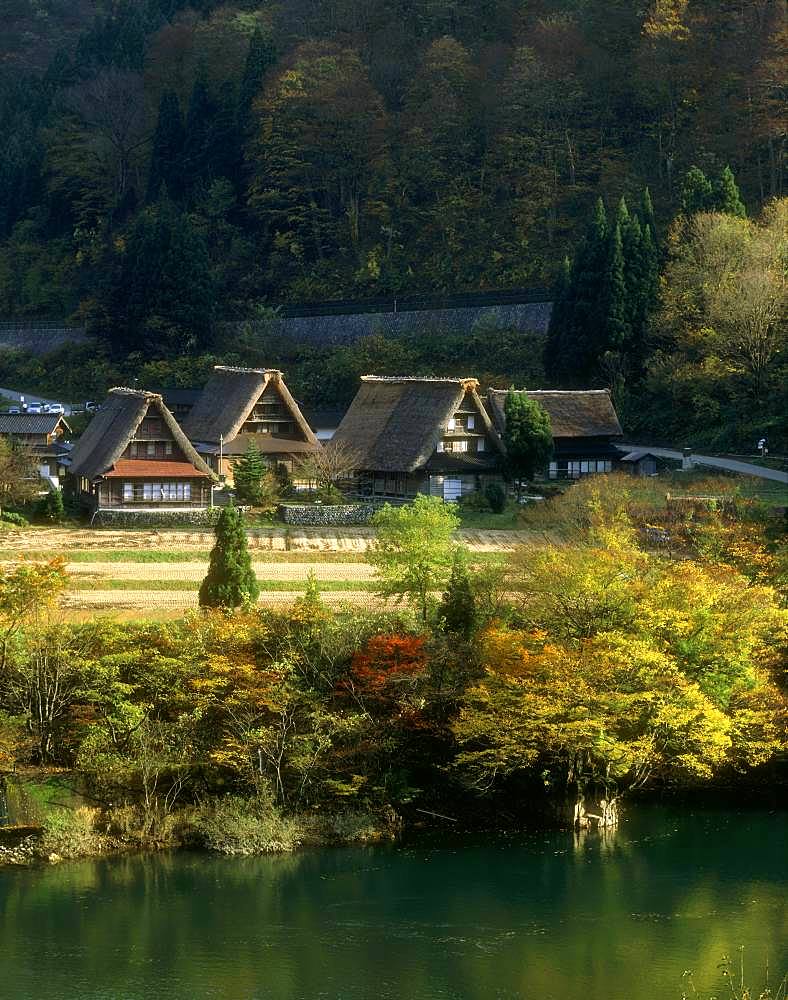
(573, 414)
(109, 432)
(394, 424)
(229, 397)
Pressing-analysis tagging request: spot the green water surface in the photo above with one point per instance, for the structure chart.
(539, 916)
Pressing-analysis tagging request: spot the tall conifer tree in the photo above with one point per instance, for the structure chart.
(697, 192)
(167, 148)
(726, 195)
(248, 475)
(615, 328)
(197, 141)
(230, 581)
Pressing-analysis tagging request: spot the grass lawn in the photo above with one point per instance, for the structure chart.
(476, 520)
(180, 555)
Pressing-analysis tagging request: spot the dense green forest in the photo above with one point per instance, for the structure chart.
(171, 165)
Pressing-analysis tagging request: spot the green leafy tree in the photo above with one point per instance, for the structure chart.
(528, 438)
(18, 476)
(413, 550)
(248, 474)
(231, 580)
(457, 611)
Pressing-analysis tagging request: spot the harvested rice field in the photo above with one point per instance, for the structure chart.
(156, 574)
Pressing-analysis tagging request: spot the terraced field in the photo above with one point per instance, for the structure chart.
(157, 573)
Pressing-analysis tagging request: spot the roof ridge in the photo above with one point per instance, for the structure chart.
(555, 392)
(469, 380)
(124, 390)
(239, 370)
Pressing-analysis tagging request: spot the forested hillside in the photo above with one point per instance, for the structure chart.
(168, 165)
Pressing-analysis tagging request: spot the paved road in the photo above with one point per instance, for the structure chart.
(13, 394)
(713, 462)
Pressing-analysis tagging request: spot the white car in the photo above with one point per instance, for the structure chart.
(35, 408)
(14, 409)
(54, 408)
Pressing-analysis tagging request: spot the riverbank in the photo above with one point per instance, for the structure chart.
(439, 916)
(54, 822)
(48, 819)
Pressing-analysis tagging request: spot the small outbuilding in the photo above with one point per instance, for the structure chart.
(640, 463)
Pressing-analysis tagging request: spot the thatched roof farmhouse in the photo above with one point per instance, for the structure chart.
(585, 426)
(420, 435)
(133, 455)
(242, 405)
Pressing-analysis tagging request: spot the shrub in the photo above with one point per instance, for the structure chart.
(356, 826)
(50, 509)
(476, 502)
(71, 833)
(496, 497)
(234, 825)
(10, 517)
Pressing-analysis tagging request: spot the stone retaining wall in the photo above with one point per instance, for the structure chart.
(205, 517)
(332, 515)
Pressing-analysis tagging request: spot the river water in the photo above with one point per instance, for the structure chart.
(538, 916)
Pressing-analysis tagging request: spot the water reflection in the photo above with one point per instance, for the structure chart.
(548, 916)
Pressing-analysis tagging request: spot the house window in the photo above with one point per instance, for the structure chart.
(151, 449)
(128, 491)
(573, 470)
(481, 445)
(153, 492)
(451, 425)
(457, 446)
(133, 449)
(553, 471)
(441, 447)
(471, 422)
(168, 447)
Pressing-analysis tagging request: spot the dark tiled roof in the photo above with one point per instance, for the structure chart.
(30, 423)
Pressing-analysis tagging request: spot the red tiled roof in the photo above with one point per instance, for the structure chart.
(128, 468)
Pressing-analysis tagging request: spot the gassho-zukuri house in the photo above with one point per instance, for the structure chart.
(585, 428)
(239, 406)
(420, 435)
(133, 456)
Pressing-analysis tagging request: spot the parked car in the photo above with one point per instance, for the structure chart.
(54, 408)
(14, 409)
(35, 408)
(91, 406)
